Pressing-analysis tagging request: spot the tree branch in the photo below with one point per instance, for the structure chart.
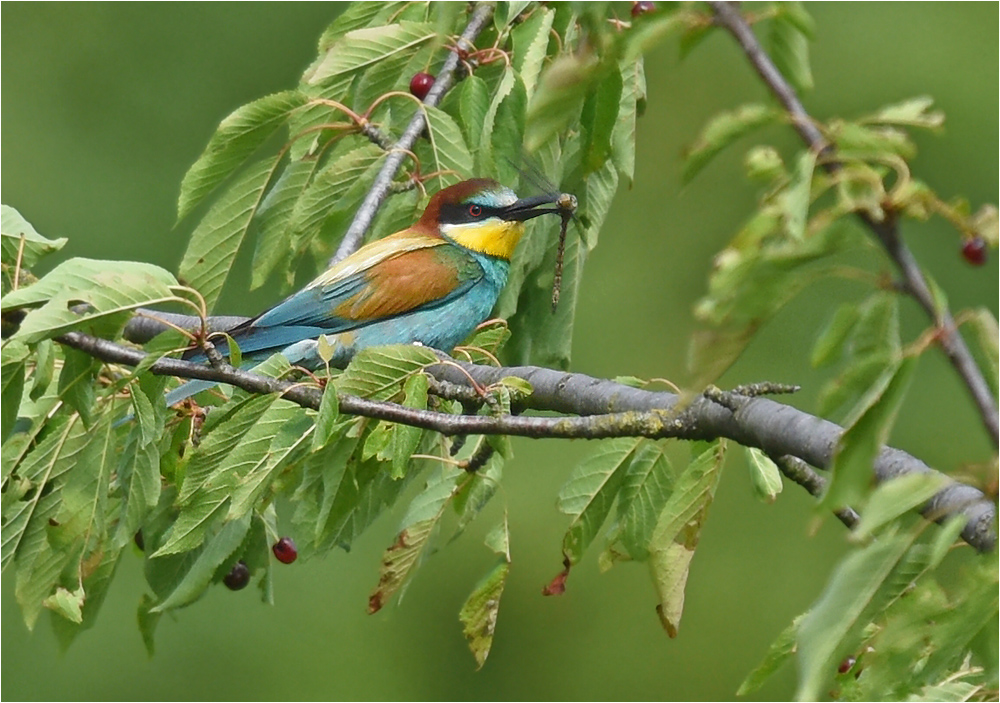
(603, 409)
(886, 231)
(383, 182)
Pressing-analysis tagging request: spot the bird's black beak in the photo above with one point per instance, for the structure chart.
(528, 208)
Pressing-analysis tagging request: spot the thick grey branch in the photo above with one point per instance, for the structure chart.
(604, 409)
(727, 14)
(383, 182)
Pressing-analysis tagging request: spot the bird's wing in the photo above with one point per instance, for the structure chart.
(395, 275)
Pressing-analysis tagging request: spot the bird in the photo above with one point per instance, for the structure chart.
(432, 283)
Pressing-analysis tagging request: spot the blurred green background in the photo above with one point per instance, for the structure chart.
(104, 106)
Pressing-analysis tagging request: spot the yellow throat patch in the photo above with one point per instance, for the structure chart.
(494, 237)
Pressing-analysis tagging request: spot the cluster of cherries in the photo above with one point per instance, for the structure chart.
(284, 551)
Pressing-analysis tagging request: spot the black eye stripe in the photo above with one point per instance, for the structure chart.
(457, 214)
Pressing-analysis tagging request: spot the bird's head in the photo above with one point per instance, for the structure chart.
(483, 215)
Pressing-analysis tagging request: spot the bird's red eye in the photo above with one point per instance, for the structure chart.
(475, 210)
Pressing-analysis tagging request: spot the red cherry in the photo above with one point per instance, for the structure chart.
(641, 8)
(974, 251)
(238, 578)
(285, 551)
(846, 665)
(421, 84)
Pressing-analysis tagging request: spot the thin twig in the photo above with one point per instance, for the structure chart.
(887, 230)
(801, 473)
(601, 408)
(383, 182)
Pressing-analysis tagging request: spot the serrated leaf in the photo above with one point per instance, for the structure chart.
(473, 101)
(108, 288)
(326, 419)
(236, 138)
(274, 219)
(479, 612)
(824, 631)
(148, 620)
(219, 548)
(858, 446)
(217, 238)
(721, 131)
(328, 193)
(589, 492)
(476, 493)
(448, 150)
(623, 136)
(358, 16)
(13, 229)
(645, 490)
(406, 438)
(12, 372)
(790, 45)
(379, 372)
(531, 41)
(895, 498)
(362, 48)
(765, 478)
(693, 492)
(598, 120)
(864, 140)
(422, 517)
(670, 565)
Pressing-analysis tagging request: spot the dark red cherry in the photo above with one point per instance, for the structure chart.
(846, 665)
(421, 84)
(285, 551)
(641, 8)
(238, 578)
(974, 251)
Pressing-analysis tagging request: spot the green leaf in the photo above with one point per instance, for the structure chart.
(477, 492)
(218, 237)
(678, 531)
(405, 437)
(473, 101)
(986, 334)
(589, 492)
(559, 98)
(915, 112)
(790, 44)
(217, 551)
(897, 497)
(422, 517)
(825, 631)
(780, 651)
(670, 564)
(379, 372)
(645, 490)
(598, 120)
(67, 604)
(795, 198)
(859, 445)
(765, 478)
(362, 48)
(721, 131)
(108, 288)
(328, 193)
(531, 42)
(76, 383)
(479, 612)
(326, 420)
(358, 16)
(148, 620)
(623, 136)
(12, 373)
(693, 493)
(274, 219)
(448, 150)
(13, 229)
(828, 347)
(237, 137)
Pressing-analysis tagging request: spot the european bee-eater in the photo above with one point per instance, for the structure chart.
(431, 283)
